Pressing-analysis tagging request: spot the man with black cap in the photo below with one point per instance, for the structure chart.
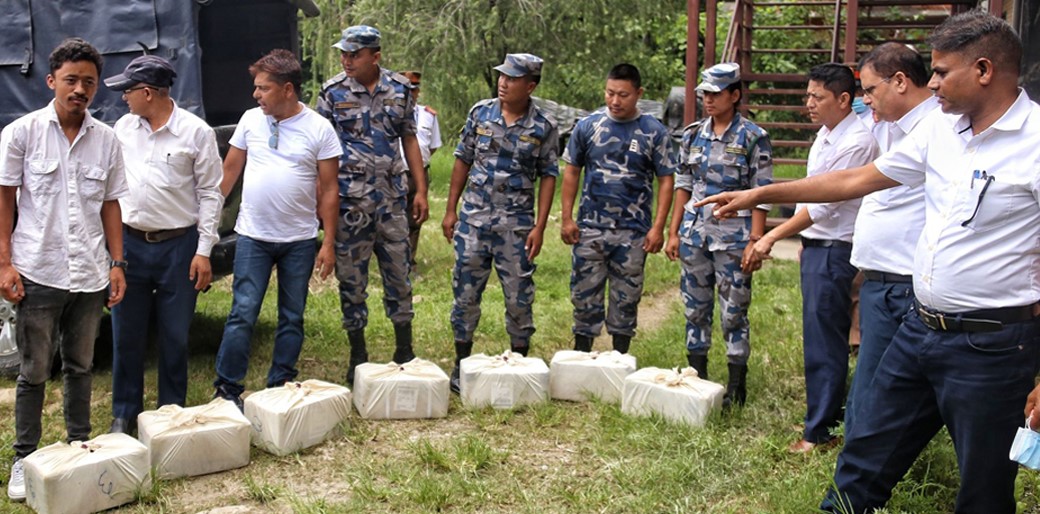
(170, 221)
(507, 144)
(373, 113)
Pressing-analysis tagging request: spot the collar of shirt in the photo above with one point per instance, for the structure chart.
(172, 124)
(527, 121)
(382, 84)
(708, 129)
(833, 136)
(88, 121)
(918, 113)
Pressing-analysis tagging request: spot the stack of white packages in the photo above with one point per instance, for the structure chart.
(297, 415)
(678, 395)
(503, 381)
(416, 389)
(197, 440)
(577, 376)
(85, 477)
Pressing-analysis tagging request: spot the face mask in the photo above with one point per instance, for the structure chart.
(1026, 448)
(858, 106)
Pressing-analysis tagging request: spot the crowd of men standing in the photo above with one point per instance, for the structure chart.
(127, 217)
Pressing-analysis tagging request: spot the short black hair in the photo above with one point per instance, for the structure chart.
(282, 66)
(74, 49)
(625, 71)
(976, 34)
(887, 59)
(836, 78)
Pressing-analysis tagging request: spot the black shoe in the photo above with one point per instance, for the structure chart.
(621, 343)
(699, 363)
(736, 390)
(358, 353)
(522, 350)
(403, 343)
(455, 382)
(236, 399)
(124, 426)
(582, 343)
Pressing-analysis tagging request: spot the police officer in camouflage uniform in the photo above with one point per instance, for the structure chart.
(371, 108)
(506, 146)
(724, 152)
(621, 150)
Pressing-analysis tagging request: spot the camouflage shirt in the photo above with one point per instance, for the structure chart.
(621, 160)
(369, 126)
(740, 159)
(505, 163)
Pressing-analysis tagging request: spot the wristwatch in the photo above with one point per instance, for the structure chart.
(117, 264)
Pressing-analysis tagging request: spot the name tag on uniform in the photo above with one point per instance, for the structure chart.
(347, 105)
(393, 102)
(633, 146)
(482, 131)
(735, 149)
(529, 139)
(696, 150)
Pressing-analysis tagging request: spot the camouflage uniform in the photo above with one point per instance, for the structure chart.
(711, 248)
(498, 213)
(620, 160)
(372, 187)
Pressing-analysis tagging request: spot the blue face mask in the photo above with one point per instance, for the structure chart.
(858, 106)
(1026, 448)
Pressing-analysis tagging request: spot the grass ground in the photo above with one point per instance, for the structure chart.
(557, 457)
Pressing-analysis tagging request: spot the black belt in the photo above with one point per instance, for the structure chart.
(825, 243)
(887, 278)
(986, 320)
(156, 236)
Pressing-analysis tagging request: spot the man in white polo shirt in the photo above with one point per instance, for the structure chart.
(967, 356)
(288, 152)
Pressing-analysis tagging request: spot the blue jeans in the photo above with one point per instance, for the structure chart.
(974, 383)
(157, 288)
(882, 306)
(50, 320)
(253, 262)
(826, 284)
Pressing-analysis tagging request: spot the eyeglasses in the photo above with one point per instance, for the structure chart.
(869, 91)
(273, 140)
(131, 90)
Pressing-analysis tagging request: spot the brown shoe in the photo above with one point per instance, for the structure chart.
(803, 446)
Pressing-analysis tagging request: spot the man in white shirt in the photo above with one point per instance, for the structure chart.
(895, 86)
(288, 152)
(428, 133)
(64, 171)
(826, 231)
(967, 355)
(170, 221)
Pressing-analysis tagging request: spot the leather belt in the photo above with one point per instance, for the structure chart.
(825, 243)
(156, 236)
(986, 320)
(887, 278)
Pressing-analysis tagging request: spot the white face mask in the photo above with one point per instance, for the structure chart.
(1026, 448)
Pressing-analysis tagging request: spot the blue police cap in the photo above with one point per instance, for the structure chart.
(357, 37)
(518, 65)
(719, 77)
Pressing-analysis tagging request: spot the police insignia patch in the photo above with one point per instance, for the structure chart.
(347, 105)
(530, 139)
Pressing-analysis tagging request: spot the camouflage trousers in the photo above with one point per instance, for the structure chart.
(476, 248)
(702, 269)
(364, 226)
(599, 256)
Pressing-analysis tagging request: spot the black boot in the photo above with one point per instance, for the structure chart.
(358, 353)
(700, 363)
(403, 339)
(522, 350)
(736, 391)
(462, 350)
(582, 343)
(621, 343)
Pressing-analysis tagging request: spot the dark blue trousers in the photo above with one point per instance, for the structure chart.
(974, 383)
(826, 299)
(158, 291)
(882, 306)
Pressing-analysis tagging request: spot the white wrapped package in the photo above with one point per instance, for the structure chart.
(297, 415)
(503, 381)
(578, 376)
(85, 477)
(197, 440)
(678, 395)
(416, 389)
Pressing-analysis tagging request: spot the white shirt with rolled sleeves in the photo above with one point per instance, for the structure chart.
(174, 176)
(849, 145)
(890, 221)
(59, 240)
(993, 261)
(280, 186)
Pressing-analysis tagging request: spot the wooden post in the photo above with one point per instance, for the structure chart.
(693, 29)
(851, 28)
(710, 30)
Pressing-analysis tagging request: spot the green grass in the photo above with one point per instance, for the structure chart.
(558, 457)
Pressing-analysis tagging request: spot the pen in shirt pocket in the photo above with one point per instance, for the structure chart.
(978, 174)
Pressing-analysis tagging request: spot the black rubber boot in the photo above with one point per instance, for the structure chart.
(736, 390)
(621, 343)
(462, 350)
(522, 350)
(582, 343)
(358, 352)
(699, 363)
(403, 343)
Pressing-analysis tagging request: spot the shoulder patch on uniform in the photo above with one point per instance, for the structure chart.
(336, 79)
(397, 77)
